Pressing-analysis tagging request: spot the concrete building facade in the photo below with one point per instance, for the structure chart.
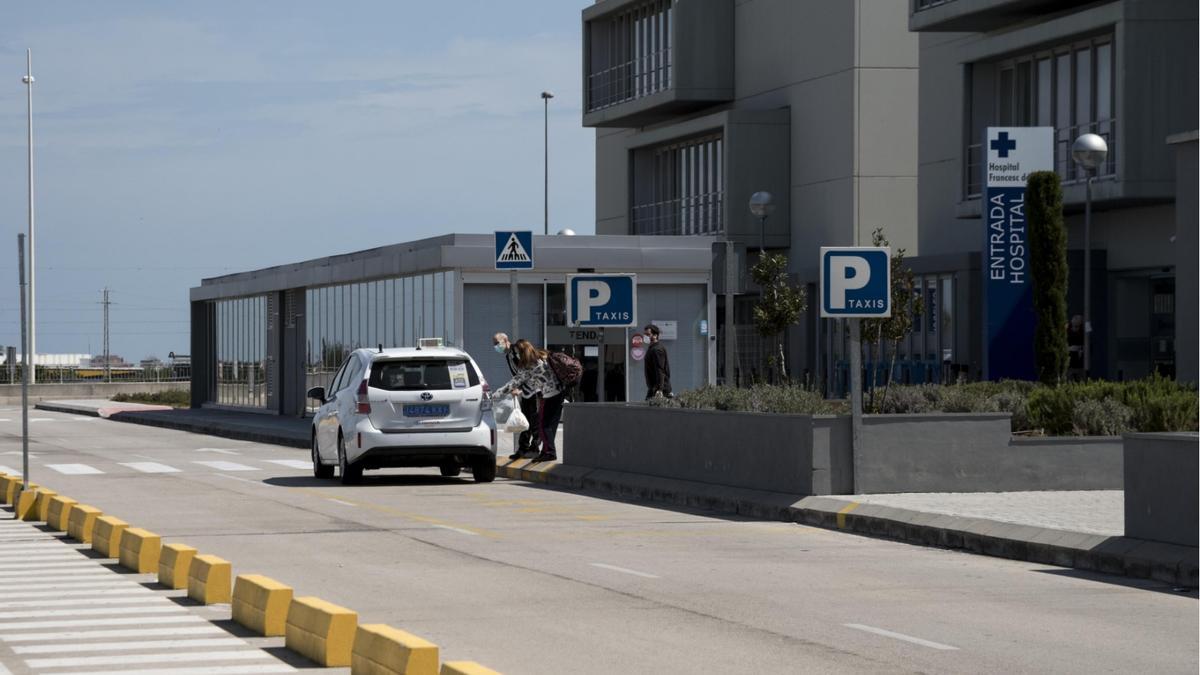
(1125, 70)
(698, 104)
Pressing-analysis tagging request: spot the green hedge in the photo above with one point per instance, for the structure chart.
(1094, 408)
(173, 398)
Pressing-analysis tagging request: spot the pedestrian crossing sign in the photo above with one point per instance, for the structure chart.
(514, 250)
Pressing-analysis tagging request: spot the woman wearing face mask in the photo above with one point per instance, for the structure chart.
(527, 443)
(535, 377)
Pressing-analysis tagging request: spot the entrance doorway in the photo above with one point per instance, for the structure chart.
(601, 353)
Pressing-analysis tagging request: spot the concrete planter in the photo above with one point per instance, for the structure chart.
(746, 450)
(1161, 487)
(811, 455)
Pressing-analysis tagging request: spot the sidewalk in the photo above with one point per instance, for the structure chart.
(1082, 530)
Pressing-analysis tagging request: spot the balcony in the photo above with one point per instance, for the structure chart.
(979, 15)
(647, 60)
(696, 177)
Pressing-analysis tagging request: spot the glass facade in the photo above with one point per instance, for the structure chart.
(389, 312)
(241, 352)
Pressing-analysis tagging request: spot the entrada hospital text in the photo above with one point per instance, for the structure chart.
(1006, 238)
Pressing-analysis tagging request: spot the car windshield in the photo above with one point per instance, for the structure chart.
(422, 374)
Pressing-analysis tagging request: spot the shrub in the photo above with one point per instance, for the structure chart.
(1160, 404)
(1015, 403)
(765, 398)
(906, 400)
(174, 398)
(1104, 417)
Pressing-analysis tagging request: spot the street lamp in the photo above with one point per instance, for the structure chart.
(1089, 151)
(546, 96)
(761, 207)
(32, 350)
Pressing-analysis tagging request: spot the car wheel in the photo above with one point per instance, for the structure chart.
(349, 473)
(450, 470)
(319, 470)
(484, 469)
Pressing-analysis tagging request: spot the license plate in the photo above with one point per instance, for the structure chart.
(426, 410)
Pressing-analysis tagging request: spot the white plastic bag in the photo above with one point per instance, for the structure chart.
(516, 422)
(502, 409)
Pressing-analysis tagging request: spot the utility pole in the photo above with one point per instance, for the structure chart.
(107, 365)
(30, 353)
(25, 370)
(546, 96)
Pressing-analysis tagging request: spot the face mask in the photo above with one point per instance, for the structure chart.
(499, 348)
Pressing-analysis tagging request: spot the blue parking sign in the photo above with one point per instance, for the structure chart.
(602, 300)
(856, 282)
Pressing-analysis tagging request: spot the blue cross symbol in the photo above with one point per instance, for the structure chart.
(1002, 144)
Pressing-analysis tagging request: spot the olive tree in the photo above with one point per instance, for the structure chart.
(907, 302)
(779, 305)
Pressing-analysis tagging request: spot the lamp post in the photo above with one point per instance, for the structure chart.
(32, 350)
(761, 207)
(546, 96)
(1089, 151)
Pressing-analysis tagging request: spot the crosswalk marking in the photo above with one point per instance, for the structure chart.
(221, 465)
(65, 585)
(209, 670)
(81, 623)
(99, 591)
(130, 646)
(150, 467)
(121, 633)
(7, 576)
(47, 562)
(74, 469)
(292, 463)
(131, 659)
(9, 470)
(149, 598)
(92, 611)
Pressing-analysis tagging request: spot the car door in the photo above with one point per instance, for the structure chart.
(326, 417)
(344, 403)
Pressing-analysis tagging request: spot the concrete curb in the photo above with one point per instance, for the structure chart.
(1137, 558)
(97, 411)
(237, 432)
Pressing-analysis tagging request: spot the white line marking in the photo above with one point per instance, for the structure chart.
(4, 670)
(19, 551)
(8, 576)
(150, 467)
(84, 602)
(42, 562)
(137, 644)
(74, 469)
(129, 659)
(124, 621)
(900, 636)
(93, 611)
(222, 451)
(9, 470)
(458, 529)
(34, 534)
(624, 569)
(103, 590)
(212, 670)
(222, 465)
(122, 633)
(338, 501)
(43, 419)
(115, 581)
(293, 463)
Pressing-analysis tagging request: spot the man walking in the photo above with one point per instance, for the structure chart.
(658, 367)
(528, 444)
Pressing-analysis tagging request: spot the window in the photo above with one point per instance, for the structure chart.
(629, 54)
(1069, 87)
(420, 375)
(679, 188)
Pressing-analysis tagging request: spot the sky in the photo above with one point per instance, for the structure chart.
(177, 141)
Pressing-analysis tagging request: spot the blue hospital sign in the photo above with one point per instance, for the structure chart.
(1012, 154)
(856, 282)
(602, 300)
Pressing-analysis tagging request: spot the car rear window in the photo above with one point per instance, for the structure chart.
(422, 374)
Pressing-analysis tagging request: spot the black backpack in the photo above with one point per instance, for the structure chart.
(566, 368)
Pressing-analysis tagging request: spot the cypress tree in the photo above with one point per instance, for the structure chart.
(1048, 264)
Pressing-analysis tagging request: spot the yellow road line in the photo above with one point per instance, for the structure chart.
(841, 515)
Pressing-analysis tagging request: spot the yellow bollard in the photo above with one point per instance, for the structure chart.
(209, 579)
(81, 522)
(140, 550)
(173, 565)
(321, 631)
(106, 536)
(261, 604)
(59, 514)
(40, 496)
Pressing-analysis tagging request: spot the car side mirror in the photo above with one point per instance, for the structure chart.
(317, 393)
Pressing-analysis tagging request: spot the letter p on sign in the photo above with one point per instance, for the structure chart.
(856, 282)
(593, 294)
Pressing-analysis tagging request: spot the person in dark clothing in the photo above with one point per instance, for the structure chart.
(1075, 330)
(529, 441)
(658, 367)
